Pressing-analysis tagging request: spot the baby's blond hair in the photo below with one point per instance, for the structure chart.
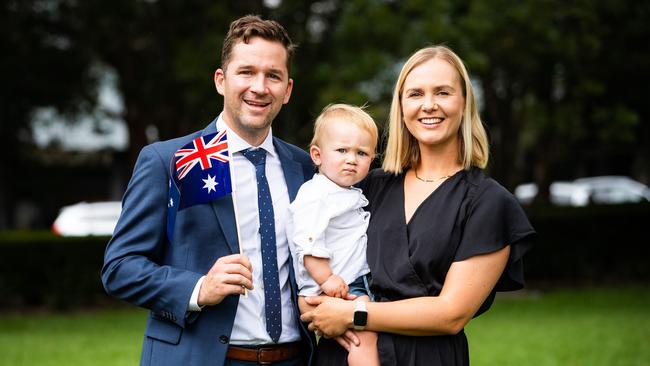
(348, 113)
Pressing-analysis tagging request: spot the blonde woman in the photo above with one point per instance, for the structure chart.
(443, 237)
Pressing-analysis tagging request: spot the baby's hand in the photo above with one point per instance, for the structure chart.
(334, 286)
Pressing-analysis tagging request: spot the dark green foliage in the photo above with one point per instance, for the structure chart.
(594, 244)
(590, 245)
(40, 269)
(563, 83)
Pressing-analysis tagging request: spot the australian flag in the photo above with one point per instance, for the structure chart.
(200, 173)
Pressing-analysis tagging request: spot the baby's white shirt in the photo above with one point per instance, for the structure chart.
(328, 221)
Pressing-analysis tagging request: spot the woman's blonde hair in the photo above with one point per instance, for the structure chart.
(349, 113)
(402, 149)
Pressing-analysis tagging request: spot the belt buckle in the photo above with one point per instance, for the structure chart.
(259, 355)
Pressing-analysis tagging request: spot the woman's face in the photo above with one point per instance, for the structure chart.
(433, 103)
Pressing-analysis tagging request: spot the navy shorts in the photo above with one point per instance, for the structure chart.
(361, 287)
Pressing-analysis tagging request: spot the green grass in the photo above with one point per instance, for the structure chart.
(107, 337)
(567, 327)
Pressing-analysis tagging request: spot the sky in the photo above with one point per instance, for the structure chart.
(102, 128)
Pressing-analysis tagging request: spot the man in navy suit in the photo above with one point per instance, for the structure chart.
(193, 283)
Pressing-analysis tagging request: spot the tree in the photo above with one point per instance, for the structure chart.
(562, 83)
(545, 70)
(43, 64)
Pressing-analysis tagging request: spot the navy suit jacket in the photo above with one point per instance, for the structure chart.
(143, 267)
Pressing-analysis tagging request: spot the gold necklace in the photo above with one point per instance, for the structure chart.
(429, 180)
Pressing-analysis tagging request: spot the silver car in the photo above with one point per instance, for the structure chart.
(607, 189)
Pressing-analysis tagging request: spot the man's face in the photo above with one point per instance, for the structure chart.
(255, 84)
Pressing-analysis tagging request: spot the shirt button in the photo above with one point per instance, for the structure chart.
(224, 339)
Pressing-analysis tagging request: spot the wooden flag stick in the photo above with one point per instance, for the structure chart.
(231, 166)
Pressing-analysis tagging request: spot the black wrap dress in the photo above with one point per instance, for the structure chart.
(467, 215)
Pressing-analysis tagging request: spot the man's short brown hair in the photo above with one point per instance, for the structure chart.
(249, 26)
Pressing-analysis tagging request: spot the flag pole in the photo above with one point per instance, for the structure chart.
(233, 184)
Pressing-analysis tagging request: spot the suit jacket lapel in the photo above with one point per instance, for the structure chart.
(211, 128)
(223, 207)
(292, 169)
(225, 213)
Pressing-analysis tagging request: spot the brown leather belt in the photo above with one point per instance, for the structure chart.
(266, 354)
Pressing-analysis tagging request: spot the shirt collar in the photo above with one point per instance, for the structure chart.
(330, 186)
(237, 144)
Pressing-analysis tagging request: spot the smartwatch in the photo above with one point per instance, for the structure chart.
(360, 318)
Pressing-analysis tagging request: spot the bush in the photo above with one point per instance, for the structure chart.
(589, 244)
(38, 268)
(574, 245)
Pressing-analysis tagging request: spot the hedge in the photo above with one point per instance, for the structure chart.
(574, 245)
(591, 244)
(39, 269)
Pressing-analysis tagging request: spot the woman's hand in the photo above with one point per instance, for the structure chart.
(332, 316)
(348, 339)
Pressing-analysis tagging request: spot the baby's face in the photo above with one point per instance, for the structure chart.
(344, 153)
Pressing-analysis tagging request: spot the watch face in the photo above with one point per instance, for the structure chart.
(360, 318)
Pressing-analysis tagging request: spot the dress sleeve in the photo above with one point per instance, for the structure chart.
(495, 219)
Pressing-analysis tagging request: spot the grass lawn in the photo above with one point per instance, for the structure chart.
(94, 338)
(567, 327)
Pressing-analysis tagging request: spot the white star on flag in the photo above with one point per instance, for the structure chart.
(210, 183)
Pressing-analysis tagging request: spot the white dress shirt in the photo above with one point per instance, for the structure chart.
(250, 322)
(328, 221)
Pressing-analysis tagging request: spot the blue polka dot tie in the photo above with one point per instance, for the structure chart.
(272, 303)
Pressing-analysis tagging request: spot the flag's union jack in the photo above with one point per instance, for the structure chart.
(200, 152)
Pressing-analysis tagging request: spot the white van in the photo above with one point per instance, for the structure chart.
(83, 219)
